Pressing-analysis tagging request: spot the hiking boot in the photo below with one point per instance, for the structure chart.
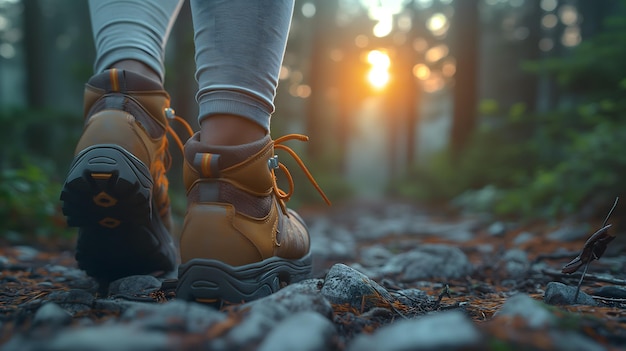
(116, 189)
(239, 241)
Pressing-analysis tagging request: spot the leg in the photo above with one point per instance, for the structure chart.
(116, 189)
(239, 52)
(239, 241)
(132, 34)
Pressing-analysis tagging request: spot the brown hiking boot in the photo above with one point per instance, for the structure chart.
(116, 188)
(239, 241)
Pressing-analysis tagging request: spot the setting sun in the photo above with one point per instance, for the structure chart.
(378, 75)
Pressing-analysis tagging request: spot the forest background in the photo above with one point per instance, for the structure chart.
(510, 107)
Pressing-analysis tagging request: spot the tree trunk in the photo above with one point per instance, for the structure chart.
(34, 45)
(317, 121)
(466, 43)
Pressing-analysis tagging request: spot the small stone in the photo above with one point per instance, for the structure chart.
(175, 315)
(26, 253)
(451, 330)
(4, 262)
(304, 296)
(413, 297)
(573, 341)
(51, 314)
(429, 261)
(522, 238)
(496, 229)
(304, 331)
(561, 294)
(263, 315)
(515, 263)
(532, 311)
(345, 285)
(134, 285)
(110, 337)
(73, 300)
(570, 233)
(376, 255)
(66, 272)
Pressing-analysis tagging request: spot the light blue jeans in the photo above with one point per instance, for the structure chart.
(239, 47)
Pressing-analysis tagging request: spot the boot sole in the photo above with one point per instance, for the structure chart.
(216, 283)
(108, 196)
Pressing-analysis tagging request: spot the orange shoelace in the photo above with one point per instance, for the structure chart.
(282, 195)
(171, 115)
(161, 167)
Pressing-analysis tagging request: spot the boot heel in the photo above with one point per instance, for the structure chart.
(107, 187)
(107, 194)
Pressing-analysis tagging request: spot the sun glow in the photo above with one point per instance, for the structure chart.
(378, 75)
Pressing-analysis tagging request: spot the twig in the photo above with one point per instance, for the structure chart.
(589, 276)
(444, 292)
(582, 276)
(610, 212)
(609, 299)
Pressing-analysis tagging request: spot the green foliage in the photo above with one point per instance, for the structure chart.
(546, 164)
(36, 147)
(29, 205)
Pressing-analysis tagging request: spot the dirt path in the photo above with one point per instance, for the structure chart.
(410, 264)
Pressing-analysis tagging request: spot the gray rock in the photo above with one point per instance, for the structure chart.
(570, 232)
(561, 294)
(51, 314)
(4, 262)
(304, 331)
(255, 325)
(373, 256)
(66, 272)
(345, 285)
(26, 253)
(134, 285)
(496, 229)
(74, 300)
(109, 337)
(573, 341)
(175, 315)
(324, 232)
(522, 238)
(116, 305)
(413, 297)
(429, 261)
(532, 311)
(263, 315)
(441, 331)
(515, 263)
(298, 297)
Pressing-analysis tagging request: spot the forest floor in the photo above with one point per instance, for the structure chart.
(418, 264)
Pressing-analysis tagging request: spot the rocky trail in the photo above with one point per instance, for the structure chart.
(387, 276)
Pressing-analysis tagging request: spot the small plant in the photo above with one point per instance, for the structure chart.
(594, 249)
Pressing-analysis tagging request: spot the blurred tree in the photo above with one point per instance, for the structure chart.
(59, 53)
(34, 44)
(465, 47)
(317, 116)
